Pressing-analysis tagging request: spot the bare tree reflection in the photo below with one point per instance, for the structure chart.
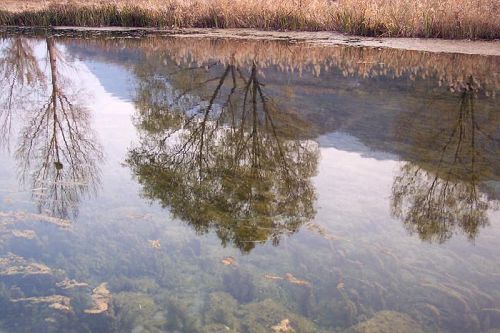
(58, 154)
(233, 162)
(437, 200)
(18, 69)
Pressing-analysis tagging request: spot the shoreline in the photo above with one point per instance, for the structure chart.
(321, 38)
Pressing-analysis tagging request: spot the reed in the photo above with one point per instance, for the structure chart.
(474, 19)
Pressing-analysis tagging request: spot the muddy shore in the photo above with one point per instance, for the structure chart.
(486, 48)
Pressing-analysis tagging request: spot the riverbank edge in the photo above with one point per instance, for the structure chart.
(320, 38)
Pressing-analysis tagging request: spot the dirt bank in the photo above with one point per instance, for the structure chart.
(488, 48)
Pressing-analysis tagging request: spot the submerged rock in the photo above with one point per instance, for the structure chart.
(387, 322)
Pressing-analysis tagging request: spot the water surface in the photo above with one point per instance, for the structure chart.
(205, 185)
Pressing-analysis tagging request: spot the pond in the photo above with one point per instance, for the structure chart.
(166, 184)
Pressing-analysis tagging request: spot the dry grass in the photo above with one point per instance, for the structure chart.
(475, 19)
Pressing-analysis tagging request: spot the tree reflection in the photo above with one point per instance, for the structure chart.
(18, 69)
(438, 197)
(232, 161)
(58, 153)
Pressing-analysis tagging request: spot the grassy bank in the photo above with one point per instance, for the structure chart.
(475, 19)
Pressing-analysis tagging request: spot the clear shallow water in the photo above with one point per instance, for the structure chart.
(187, 185)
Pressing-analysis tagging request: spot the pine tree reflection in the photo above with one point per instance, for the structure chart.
(58, 154)
(439, 198)
(234, 161)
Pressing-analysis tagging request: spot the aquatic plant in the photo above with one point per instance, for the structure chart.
(135, 312)
(56, 302)
(220, 310)
(179, 318)
(12, 264)
(70, 284)
(239, 284)
(101, 297)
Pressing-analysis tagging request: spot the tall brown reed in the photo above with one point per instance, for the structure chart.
(409, 18)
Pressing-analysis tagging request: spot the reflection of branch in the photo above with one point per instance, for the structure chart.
(58, 150)
(205, 118)
(227, 168)
(18, 69)
(436, 203)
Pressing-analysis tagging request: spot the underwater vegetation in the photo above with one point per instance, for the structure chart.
(101, 298)
(237, 232)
